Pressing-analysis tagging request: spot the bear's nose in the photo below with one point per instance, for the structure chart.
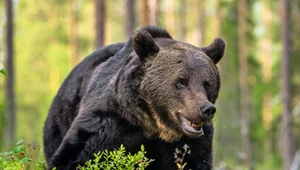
(208, 111)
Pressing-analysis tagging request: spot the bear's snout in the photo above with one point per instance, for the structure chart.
(208, 111)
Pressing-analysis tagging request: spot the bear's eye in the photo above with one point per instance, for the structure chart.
(181, 83)
(206, 86)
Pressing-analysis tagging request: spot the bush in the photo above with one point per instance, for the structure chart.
(118, 160)
(21, 158)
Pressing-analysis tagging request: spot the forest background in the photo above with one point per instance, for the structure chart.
(257, 124)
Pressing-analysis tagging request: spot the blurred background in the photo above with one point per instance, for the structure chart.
(257, 125)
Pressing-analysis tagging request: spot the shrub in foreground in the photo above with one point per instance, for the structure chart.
(118, 160)
(21, 158)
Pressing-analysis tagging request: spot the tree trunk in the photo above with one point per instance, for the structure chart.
(10, 84)
(73, 34)
(266, 62)
(201, 22)
(182, 20)
(130, 17)
(286, 139)
(99, 22)
(244, 89)
(153, 11)
(144, 13)
(170, 16)
(218, 20)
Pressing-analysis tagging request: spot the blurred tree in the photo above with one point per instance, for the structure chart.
(100, 16)
(10, 80)
(227, 137)
(73, 31)
(201, 22)
(2, 49)
(218, 19)
(244, 89)
(265, 49)
(43, 61)
(182, 30)
(295, 75)
(153, 11)
(286, 141)
(144, 11)
(130, 17)
(170, 16)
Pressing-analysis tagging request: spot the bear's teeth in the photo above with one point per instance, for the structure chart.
(195, 124)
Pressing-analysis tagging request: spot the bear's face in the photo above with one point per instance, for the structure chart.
(181, 84)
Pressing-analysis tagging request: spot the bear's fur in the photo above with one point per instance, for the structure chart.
(151, 90)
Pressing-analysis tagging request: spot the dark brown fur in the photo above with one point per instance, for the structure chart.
(153, 90)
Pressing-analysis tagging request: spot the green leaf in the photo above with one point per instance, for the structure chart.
(20, 142)
(3, 72)
(19, 149)
(25, 160)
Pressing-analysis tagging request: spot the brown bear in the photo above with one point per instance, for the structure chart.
(152, 90)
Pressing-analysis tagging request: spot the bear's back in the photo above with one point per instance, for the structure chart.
(65, 105)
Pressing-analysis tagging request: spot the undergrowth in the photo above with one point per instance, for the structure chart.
(21, 158)
(118, 160)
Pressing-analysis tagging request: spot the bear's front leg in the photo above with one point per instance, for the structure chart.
(83, 127)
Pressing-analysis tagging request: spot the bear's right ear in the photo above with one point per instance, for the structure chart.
(144, 45)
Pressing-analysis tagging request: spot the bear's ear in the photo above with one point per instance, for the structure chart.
(215, 50)
(144, 45)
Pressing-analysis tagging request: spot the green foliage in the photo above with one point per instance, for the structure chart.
(21, 157)
(118, 160)
(2, 71)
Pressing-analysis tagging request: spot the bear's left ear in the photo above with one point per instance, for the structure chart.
(215, 50)
(144, 45)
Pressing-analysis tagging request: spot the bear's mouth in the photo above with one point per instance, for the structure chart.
(191, 128)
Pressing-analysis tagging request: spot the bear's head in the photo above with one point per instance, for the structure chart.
(179, 83)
